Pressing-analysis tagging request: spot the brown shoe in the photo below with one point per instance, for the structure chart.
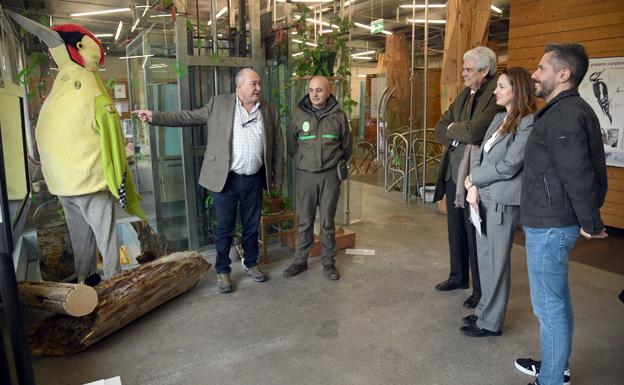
(294, 269)
(331, 272)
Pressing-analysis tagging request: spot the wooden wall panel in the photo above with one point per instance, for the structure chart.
(549, 11)
(599, 26)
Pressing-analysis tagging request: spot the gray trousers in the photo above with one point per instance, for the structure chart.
(91, 221)
(493, 253)
(314, 189)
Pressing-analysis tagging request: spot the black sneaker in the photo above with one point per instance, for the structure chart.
(532, 368)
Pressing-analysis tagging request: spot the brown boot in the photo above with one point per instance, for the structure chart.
(294, 269)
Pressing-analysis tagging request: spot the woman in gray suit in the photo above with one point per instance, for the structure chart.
(494, 190)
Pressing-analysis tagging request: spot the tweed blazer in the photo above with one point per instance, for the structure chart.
(466, 131)
(499, 170)
(218, 116)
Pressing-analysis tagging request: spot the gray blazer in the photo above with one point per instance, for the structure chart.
(498, 172)
(218, 115)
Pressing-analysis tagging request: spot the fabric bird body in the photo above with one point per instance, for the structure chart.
(78, 131)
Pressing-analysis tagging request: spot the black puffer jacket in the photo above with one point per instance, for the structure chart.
(565, 176)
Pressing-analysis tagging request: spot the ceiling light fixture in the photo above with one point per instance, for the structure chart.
(307, 42)
(422, 6)
(118, 30)
(314, 21)
(363, 58)
(135, 25)
(146, 7)
(369, 28)
(430, 21)
(297, 54)
(362, 53)
(134, 57)
(163, 15)
(311, 1)
(116, 10)
(221, 12)
(98, 35)
(496, 9)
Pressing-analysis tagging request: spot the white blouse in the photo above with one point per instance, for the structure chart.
(490, 142)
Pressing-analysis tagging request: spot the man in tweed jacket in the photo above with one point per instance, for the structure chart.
(243, 156)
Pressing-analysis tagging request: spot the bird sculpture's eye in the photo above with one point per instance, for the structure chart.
(80, 45)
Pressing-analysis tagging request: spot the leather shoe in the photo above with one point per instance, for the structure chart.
(470, 320)
(294, 269)
(331, 272)
(475, 331)
(450, 285)
(472, 301)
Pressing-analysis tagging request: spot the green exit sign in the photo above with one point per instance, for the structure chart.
(377, 26)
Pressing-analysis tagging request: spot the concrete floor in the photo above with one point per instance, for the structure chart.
(382, 323)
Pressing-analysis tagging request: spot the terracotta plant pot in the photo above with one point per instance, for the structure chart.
(274, 204)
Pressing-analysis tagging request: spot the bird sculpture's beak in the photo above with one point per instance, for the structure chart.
(50, 37)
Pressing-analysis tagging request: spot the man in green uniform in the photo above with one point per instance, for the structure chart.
(318, 139)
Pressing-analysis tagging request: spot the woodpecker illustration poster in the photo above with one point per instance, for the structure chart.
(603, 89)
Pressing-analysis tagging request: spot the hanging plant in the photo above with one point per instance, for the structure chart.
(331, 51)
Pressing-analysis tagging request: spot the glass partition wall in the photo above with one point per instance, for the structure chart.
(180, 64)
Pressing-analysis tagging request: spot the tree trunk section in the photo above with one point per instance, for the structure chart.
(61, 298)
(56, 257)
(122, 299)
(153, 245)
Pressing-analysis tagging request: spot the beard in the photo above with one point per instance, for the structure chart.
(544, 88)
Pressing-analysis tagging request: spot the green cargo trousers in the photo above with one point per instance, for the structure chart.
(314, 189)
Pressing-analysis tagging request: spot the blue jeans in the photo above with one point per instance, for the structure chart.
(547, 262)
(246, 191)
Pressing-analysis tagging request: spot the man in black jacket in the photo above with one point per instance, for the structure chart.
(465, 122)
(564, 185)
(318, 139)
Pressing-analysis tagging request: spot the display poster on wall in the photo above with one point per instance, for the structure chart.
(603, 89)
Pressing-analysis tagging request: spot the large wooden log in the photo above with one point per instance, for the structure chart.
(75, 300)
(122, 299)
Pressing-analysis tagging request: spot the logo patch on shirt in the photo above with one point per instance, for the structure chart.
(305, 126)
(110, 109)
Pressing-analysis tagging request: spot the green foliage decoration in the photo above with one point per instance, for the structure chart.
(318, 60)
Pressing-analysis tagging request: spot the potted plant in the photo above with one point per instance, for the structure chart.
(274, 203)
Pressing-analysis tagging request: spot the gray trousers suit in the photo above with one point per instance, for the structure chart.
(497, 175)
(493, 253)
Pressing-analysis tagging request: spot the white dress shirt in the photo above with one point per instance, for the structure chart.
(247, 140)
